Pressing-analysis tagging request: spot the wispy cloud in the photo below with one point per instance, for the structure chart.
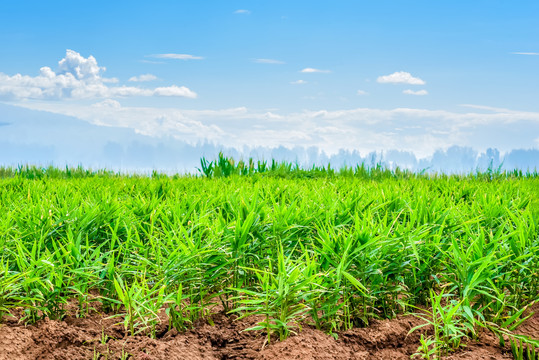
(421, 131)
(362, 92)
(485, 107)
(515, 113)
(525, 53)
(298, 82)
(400, 77)
(268, 61)
(143, 78)
(177, 56)
(108, 103)
(313, 70)
(174, 91)
(418, 92)
(77, 77)
(151, 61)
(110, 80)
(242, 11)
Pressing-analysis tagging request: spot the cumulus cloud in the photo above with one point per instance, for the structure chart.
(298, 82)
(362, 92)
(400, 77)
(242, 11)
(143, 78)
(418, 92)
(77, 77)
(174, 91)
(177, 56)
(268, 61)
(313, 70)
(75, 64)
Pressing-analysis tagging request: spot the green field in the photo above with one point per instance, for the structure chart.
(334, 249)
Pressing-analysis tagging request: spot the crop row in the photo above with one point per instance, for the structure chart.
(331, 251)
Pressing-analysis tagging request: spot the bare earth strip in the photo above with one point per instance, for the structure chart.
(96, 337)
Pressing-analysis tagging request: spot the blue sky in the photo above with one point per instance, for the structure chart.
(364, 75)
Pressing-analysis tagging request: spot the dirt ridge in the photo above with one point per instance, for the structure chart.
(99, 337)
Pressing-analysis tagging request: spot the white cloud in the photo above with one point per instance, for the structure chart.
(108, 103)
(515, 114)
(268, 61)
(151, 61)
(487, 108)
(177, 56)
(312, 70)
(421, 131)
(400, 77)
(124, 91)
(77, 77)
(298, 82)
(418, 92)
(175, 91)
(362, 92)
(75, 64)
(242, 11)
(525, 53)
(110, 80)
(143, 78)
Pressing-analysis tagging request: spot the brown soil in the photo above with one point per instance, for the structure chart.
(96, 337)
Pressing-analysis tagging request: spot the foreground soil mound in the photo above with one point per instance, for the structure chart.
(97, 337)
